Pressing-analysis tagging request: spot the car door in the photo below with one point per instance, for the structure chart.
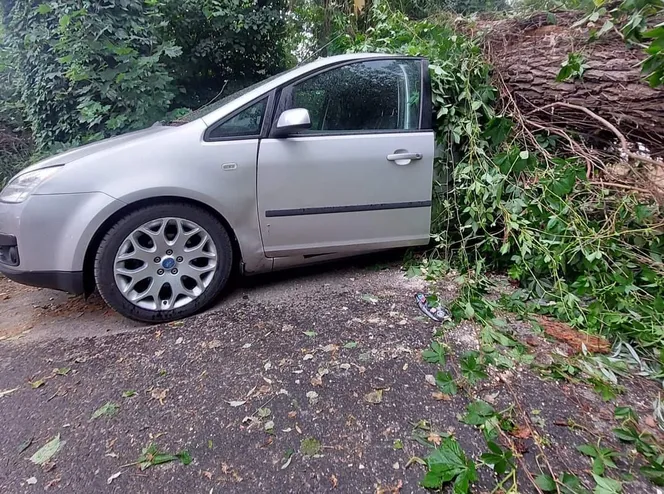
(360, 177)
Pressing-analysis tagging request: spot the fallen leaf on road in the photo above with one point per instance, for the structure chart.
(334, 481)
(214, 344)
(521, 431)
(62, 371)
(113, 477)
(47, 451)
(313, 397)
(179, 340)
(237, 403)
(310, 446)
(367, 297)
(310, 334)
(129, 393)
(264, 412)
(269, 425)
(151, 456)
(7, 392)
(330, 348)
(31, 481)
(159, 394)
(25, 445)
(317, 381)
(37, 384)
(288, 456)
(308, 356)
(434, 438)
(374, 397)
(430, 379)
(207, 475)
(292, 415)
(396, 489)
(441, 396)
(351, 345)
(109, 409)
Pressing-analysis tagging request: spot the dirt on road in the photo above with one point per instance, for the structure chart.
(305, 382)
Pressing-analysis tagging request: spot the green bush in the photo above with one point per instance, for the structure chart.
(89, 69)
(226, 44)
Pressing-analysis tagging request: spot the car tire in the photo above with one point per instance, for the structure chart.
(109, 248)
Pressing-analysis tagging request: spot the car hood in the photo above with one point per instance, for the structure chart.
(96, 147)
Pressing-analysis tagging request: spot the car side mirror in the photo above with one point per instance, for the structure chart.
(290, 121)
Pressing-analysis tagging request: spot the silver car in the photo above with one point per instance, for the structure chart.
(330, 159)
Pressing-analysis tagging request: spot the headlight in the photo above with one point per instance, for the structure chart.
(22, 185)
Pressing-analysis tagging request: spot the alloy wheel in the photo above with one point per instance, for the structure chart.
(165, 264)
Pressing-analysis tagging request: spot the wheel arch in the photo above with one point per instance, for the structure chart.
(93, 245)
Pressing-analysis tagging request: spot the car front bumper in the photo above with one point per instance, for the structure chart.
(44, 240)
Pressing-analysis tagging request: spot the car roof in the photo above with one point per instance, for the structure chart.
(285, 78)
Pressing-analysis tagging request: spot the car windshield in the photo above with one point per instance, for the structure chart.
(215, 105)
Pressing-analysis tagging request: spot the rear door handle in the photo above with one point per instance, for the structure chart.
(404, 156)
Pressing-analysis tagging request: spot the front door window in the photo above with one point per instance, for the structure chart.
(377, 95)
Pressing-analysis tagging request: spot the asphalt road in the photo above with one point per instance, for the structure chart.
(305, 382)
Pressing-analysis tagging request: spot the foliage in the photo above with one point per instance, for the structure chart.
(449, 463)
(602, 457)
(89, 69)
(435, 354)
(634, 19)
(420, 9)
(446, 383)
(572, 68)
(78, 70)
(226, 45)
(151, 456)
(15, 144)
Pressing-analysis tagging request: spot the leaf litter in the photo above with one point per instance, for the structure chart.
(108, 409)
(47, 451)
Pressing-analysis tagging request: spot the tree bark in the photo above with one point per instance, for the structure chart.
(527, 54)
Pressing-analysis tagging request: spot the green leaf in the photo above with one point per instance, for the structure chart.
(524, 155)
(184, 457)
(47, 451)
(44, 8)
(471, 368)
(446, 463)
(627, 434)
(478, 412)
(625, 413)
(310, 446)
(434, 353)
(500, 460)
(587, 450)
(606, 485)
(350, 345)
(446, 383)
(65, 20)
(654, 472)
(109, 409)
(310, 334)
(546, 483)
(129, 393)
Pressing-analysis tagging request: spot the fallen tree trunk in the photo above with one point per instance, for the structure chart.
(527, 55)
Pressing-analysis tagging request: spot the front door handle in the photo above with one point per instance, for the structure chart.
(404, 158)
